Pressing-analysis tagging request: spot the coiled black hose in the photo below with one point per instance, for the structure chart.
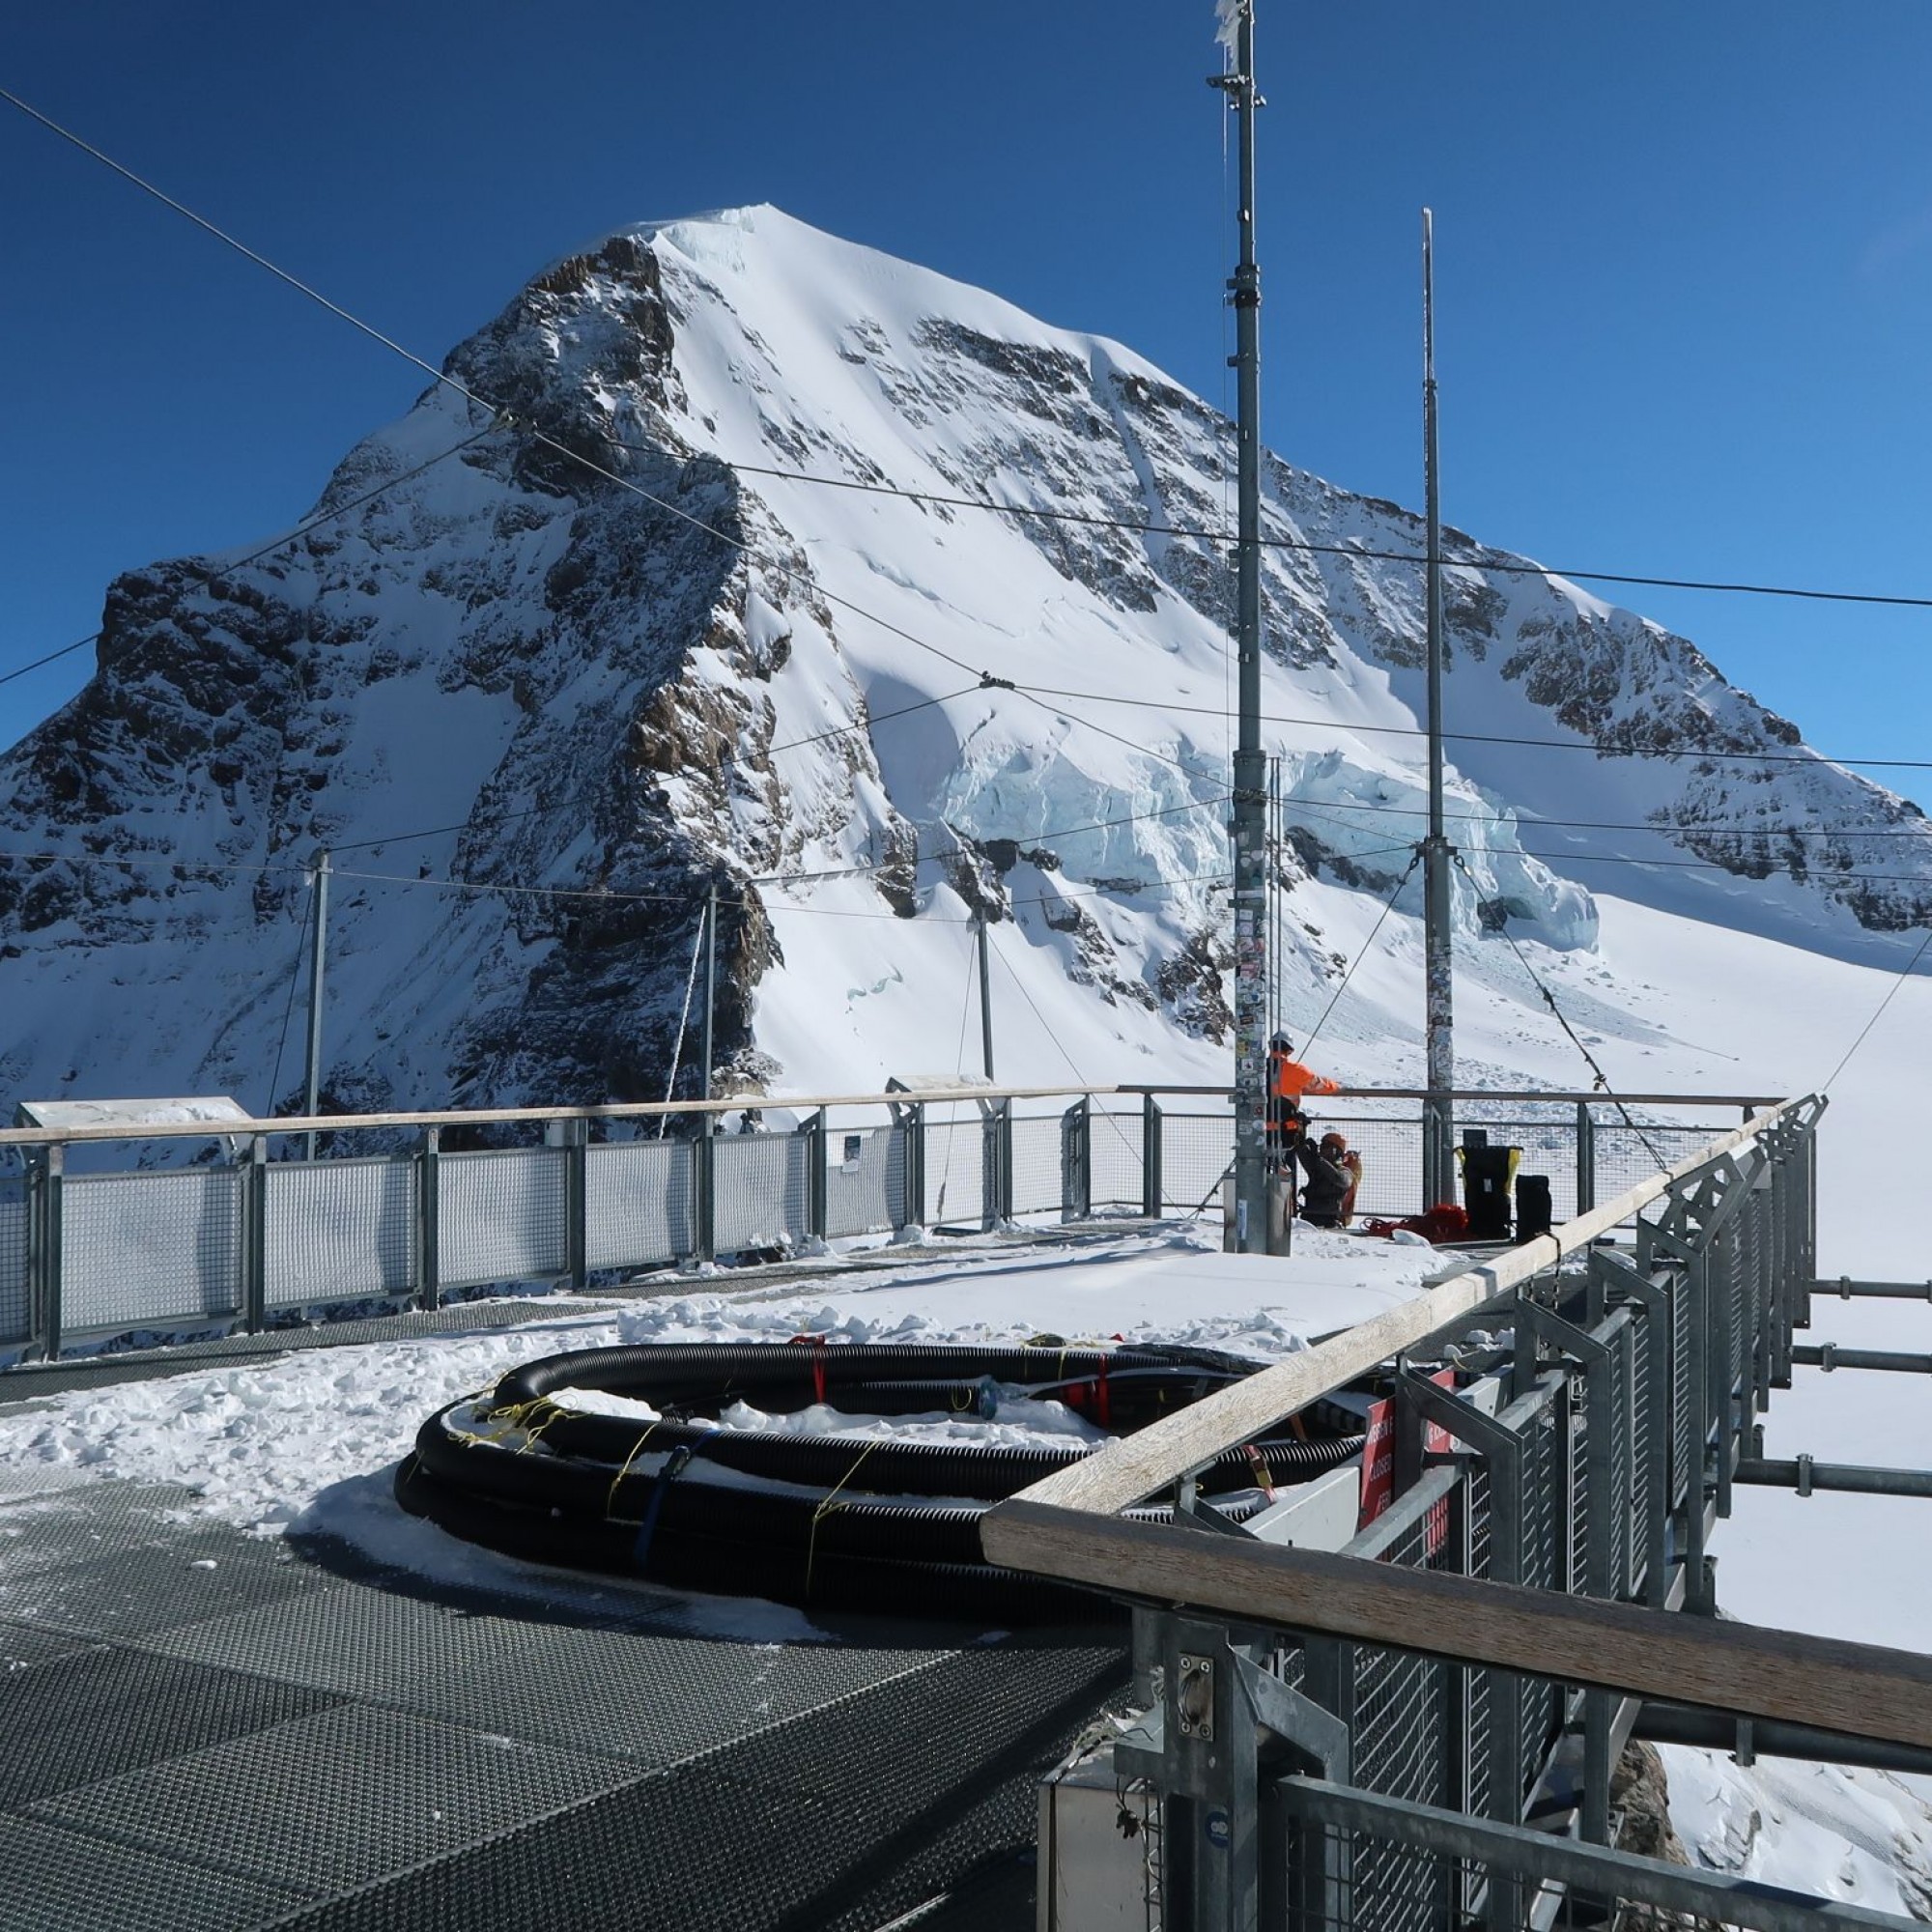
(840, 1521)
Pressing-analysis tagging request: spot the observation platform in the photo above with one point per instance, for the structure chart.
(204, 1726)
(335, 1728)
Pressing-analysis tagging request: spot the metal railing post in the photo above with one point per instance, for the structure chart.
(704, 1192)
(1076, 1155)
(428, 1221)
(46, 1178)
(996, 1165)
(576, 1202)
(817, 1216)
(912, 1208)
(255, 1235)
(1152, 1192)
(1326, 1891)
(1586, 1158)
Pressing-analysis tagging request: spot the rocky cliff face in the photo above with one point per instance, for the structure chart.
(588, 658)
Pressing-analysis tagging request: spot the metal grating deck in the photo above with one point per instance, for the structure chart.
(202, 1728)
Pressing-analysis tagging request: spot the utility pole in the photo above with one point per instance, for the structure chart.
(1250, 804)
(985, 1001)
(317, 959)
(710, 992)
(1438, 1156)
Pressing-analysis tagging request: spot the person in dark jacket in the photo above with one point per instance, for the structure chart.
(1333, 1174)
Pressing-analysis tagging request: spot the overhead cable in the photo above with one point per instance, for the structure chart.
(1891, 993)
(1489, 561)
(1611, 751)
(1388, 906)
(1602, 1079)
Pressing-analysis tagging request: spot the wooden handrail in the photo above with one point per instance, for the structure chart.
(645, 1110)
(1553, 1097)
(1862, 1689)
(481, 1116)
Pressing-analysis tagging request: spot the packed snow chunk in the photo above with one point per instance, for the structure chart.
(1859, 1836)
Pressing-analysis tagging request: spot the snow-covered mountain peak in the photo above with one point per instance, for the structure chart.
(688, 589)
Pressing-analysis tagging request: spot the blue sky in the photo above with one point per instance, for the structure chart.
(1685, 258)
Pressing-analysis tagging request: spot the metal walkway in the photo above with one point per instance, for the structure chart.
(202, 1728)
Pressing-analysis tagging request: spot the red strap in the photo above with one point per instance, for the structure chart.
(817, 1345)
(1102, 1409)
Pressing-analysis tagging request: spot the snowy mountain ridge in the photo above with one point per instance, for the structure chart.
(864, 717)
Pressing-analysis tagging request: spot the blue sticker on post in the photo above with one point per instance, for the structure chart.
(1219, 1831)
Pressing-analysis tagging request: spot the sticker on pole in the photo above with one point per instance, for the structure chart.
(1220, 1834)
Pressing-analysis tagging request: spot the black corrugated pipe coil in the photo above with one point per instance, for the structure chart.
(837, 1522)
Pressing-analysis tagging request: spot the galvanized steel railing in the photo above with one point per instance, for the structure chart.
(1358, 1741)
(400, 1211)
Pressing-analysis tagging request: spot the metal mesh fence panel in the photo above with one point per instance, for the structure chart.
(137, 1249)
(1618, 1504)
(1627, 1156)
(1395, 1718)
(1117, 1179)
(1482, 1683)
(637, 1203)
(1683, 1463)
(1574, 1541)
(1038, 1183)
(1544, 1567)
(955, 1166)
(338, 1229)
(760, 1191)
(864, 1174)
(14, 1314)
(1195, 1152)
(1745, 1301)
(1644, 1446)
(500, 1216)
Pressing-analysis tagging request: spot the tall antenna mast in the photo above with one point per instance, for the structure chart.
(1250, 804)
(1438, 1156)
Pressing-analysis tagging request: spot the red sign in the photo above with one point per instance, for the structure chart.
(1379, 1463)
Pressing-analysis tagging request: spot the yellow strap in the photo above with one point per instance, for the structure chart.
(826, 1506)
(611, 1500)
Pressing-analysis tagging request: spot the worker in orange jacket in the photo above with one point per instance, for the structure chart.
(1288, 1081)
